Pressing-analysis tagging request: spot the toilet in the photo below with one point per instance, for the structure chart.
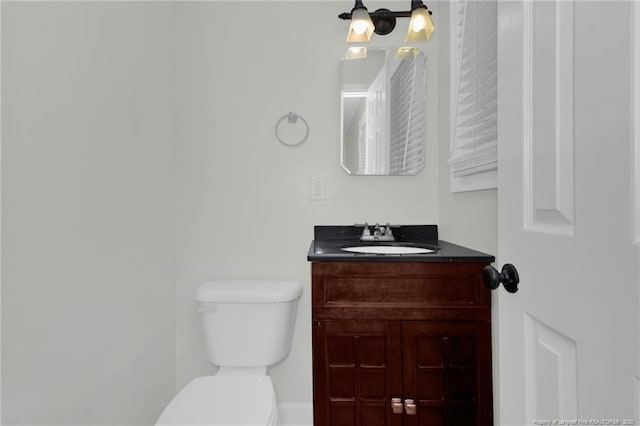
(248, 326)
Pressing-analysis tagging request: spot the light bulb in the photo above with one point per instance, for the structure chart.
(418, 23)
(360, 26)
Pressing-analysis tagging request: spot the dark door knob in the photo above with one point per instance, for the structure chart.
(508, 277)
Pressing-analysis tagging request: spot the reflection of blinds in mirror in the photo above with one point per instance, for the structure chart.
(407, 117)
(473, 160)
(362, 146)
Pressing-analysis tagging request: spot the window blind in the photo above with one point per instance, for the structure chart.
(473, 158)
(407, 124)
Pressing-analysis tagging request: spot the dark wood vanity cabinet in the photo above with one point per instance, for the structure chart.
(416, 331)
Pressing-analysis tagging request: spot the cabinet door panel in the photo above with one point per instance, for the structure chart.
(441, 372)
(356, 372)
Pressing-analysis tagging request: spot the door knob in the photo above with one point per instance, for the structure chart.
(508, 277)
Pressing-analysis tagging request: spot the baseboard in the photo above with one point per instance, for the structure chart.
(295, 413)
(636, 400)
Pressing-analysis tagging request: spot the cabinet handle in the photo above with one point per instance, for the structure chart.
(410, 407)
(396, 405)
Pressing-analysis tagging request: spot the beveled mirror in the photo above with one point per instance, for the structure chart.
(383, 111)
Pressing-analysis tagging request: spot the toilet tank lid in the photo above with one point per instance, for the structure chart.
(248, 291)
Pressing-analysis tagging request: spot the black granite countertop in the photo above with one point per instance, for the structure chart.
(329, 241)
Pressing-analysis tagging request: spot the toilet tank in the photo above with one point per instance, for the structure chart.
(248, 323)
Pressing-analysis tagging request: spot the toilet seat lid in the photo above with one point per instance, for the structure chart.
(222, 400)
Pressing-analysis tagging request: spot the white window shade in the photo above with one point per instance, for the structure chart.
(474, 96)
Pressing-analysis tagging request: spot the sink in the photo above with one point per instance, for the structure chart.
(379, 249)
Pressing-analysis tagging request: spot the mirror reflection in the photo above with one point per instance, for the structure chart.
(383, 111)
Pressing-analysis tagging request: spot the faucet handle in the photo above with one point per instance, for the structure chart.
(365, 231)
(387, 230)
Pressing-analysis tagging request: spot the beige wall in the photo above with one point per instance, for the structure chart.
(87, 212)
(243, 206)
(118, 115)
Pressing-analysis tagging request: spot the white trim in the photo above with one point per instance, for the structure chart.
(476, 182)
(635, 45)
(635, 169)
(295, 413)
(1, 211)
(636, 388)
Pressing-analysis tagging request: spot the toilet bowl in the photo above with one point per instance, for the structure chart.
(248, 326)
(223, 400)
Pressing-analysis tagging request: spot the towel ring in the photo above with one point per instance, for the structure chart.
(292, 118)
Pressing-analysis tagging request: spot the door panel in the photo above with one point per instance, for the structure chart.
(440, 372)
(359, 367)
(567, 340)
(551, 368)
(548, 117)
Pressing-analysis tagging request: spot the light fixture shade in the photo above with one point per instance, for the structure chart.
(407, 52)
(361, 27)
(421, 26)
(356, 52)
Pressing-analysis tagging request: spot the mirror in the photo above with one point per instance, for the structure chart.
(383, 111)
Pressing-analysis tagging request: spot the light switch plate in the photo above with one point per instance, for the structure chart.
(317, 188)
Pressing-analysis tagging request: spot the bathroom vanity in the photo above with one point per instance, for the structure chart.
(399, 339)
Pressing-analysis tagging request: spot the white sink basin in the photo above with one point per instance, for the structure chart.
(387, 250)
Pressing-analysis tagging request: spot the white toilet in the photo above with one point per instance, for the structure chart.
(248, 326)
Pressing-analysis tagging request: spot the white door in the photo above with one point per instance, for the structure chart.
(378, 125)
(568, 339)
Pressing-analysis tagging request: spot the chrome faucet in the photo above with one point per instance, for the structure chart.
(380, 233)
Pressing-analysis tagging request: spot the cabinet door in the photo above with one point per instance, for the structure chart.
(447, 371)
(356, 372)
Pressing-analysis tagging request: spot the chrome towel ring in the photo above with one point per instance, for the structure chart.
(292, 118)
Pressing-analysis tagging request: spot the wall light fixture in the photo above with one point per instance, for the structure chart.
(383, 21)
